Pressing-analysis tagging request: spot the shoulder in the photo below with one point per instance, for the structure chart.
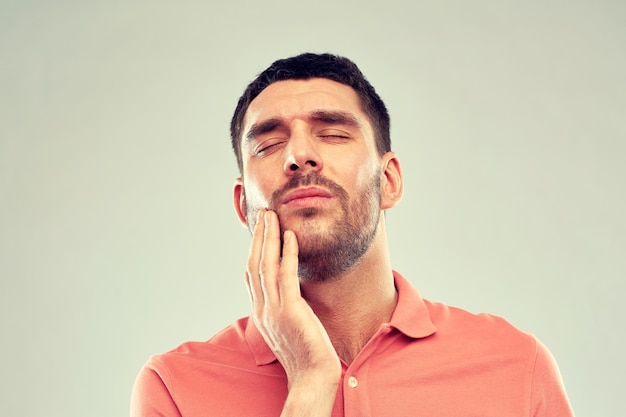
(204, 376)
(442, 325)
(480, 331)
(226, 347)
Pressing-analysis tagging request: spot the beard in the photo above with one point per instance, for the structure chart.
(325, 255)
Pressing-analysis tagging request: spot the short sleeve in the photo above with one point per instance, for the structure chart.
(548, 396)
(151, 396)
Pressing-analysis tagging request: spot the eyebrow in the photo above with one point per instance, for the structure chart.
(335, 117)
(323, 116)
(265, 126)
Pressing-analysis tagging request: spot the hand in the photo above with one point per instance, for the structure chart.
(287, 323)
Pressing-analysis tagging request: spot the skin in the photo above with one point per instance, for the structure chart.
(313, 324)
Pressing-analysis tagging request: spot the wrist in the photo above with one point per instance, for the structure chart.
(311, 397)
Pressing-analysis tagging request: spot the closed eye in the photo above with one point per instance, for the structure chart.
(334, 136)
(267, 147)
(339, 137)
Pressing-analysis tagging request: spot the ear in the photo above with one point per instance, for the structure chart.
(392, 187)
(239, 202)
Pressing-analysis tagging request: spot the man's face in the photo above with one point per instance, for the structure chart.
(309, 154)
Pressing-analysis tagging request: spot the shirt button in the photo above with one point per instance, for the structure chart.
(352, 382)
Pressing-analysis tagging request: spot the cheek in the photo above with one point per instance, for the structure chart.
(362, 170)
(256, 196)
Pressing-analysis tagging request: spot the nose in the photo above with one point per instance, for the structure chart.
(301, 154)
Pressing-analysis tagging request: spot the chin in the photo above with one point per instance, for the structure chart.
(307, 224)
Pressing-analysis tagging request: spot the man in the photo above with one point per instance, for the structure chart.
(333, 330)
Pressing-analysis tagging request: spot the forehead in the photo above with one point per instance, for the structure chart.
(296, 98)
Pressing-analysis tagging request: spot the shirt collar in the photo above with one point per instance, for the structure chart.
(410, 317)
(263, 355)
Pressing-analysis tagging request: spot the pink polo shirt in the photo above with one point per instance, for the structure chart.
(429, 360)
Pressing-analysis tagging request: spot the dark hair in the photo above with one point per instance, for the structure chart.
(307, 66)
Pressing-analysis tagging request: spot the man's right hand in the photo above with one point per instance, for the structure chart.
(288, 324)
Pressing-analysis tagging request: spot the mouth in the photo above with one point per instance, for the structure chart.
(307, 197)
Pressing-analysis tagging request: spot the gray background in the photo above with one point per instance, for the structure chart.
(117, 235)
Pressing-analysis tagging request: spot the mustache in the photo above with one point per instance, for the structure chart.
(313, 178)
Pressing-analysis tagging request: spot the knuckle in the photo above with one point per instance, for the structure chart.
(264, 268)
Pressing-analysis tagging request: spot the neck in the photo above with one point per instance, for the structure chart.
(353, 306)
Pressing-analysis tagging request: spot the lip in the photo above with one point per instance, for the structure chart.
(306, 196)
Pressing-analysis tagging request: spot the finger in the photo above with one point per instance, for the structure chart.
(289, 284)
(246, 278)
(254, 258)
(270, 259)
